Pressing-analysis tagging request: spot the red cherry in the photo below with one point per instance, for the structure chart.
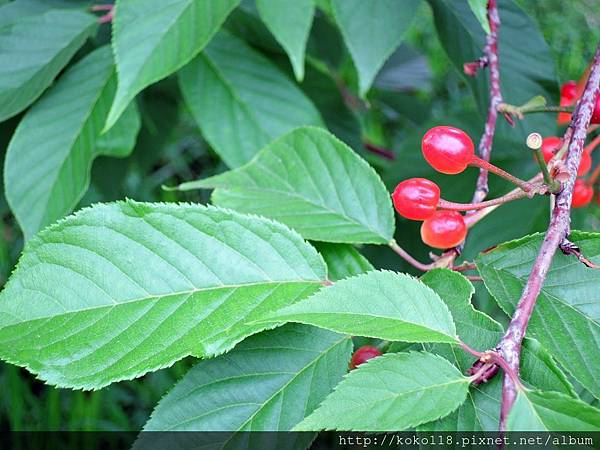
(568, 95)
(448, 149)
(585, 164)
(596, 113)
(444, 229)
(550, 145)
(416, 198)
(363, 354)
(582, 194)
(568, 90)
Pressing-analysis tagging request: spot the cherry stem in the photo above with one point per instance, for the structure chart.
(544, 109)
(474, 277)
(464, 267)
(110, 12)
(446, 260)
(470, 350)
(596, 173)
(516, 195)
(106, 7)
(534, 142)
(483, 164)
(492, 356)
(408, 258)
(592, 145)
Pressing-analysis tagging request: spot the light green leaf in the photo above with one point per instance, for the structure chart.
(480, 411)
(312, 182)
(384, 305)
(272, 380)
(372, 30)
(290, 24)
(48, 162)
(119, 141)
(551, 411)
(479, 8)
(391, 393)
(240, 100)
(33, 49)
(121, 289)
(342, 260)
(566, 319)
(154, 38)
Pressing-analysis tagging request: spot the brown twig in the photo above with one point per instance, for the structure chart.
(558, 230)
(380, 151)
(491, 57)
(484, 149)
(570, 248)
(408, 258)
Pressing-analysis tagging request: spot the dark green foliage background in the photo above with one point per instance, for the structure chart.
(427, 89)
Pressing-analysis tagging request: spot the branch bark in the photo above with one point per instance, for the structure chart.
(491, 56)
(558, 230)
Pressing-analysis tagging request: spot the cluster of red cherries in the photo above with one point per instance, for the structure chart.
(450, 151)
(583, 191)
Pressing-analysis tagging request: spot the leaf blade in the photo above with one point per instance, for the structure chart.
(128, 285)
(312, 182)
(152, 39)
(290, 23)
(551, 411)
(257, 102)
(385, 305)
(37, 47)
(372, 31)
(260, 371)
(49, 156)
(419, 387)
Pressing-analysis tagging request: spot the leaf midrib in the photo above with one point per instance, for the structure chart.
(162, 296)
(404, 394)
(340, 313)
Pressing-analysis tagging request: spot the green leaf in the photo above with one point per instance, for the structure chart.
(35, 47)
(480, 411)
(526, 70)
(272, 380)
(240, 100)
(154, 38)
(312, 182)
(372, 30)
(50, 155)
(320, 87)
(119, 141)
(566, 319)
(384, 305)
(290, 24)
(391, 393)
(342, 260)
(550, 411)
(479, 8)
(121, 289)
